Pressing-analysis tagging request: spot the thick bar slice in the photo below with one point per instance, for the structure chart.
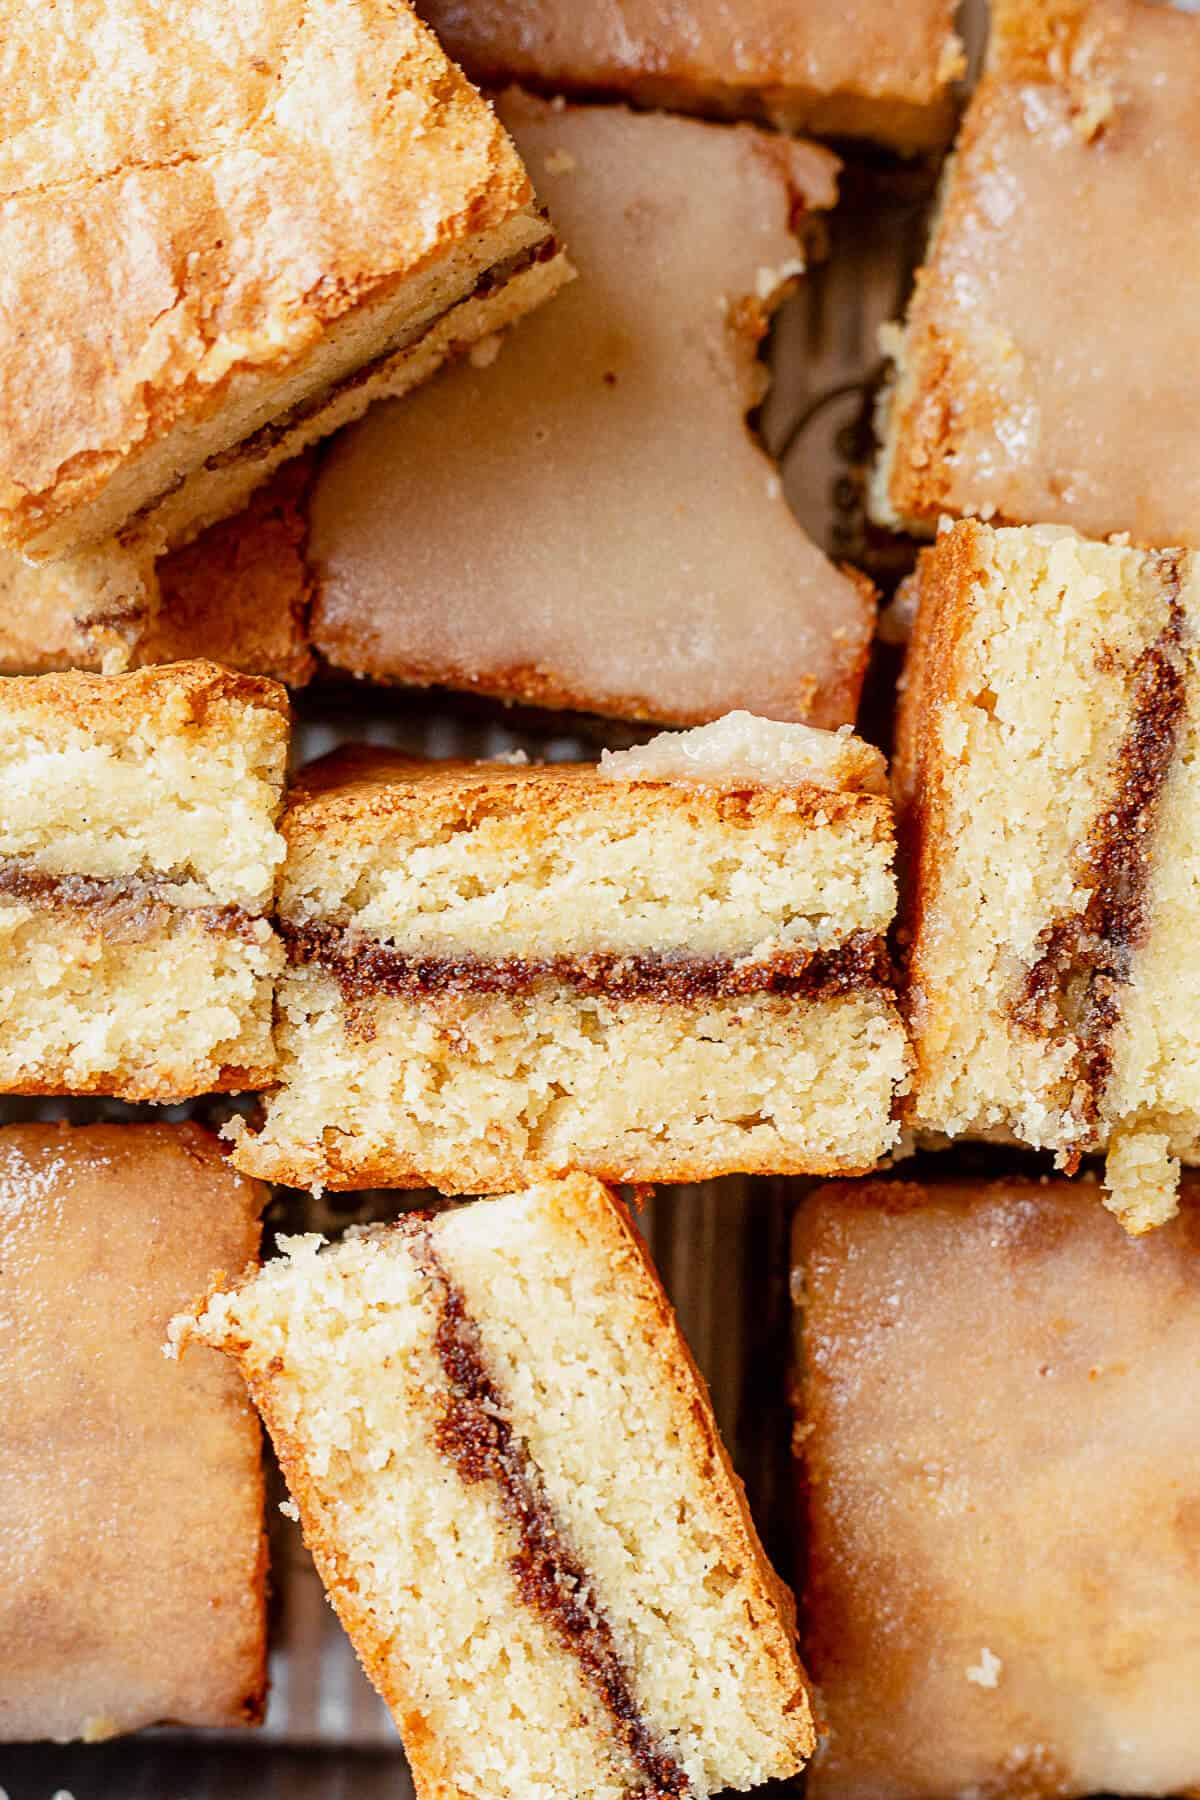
(224, 232)
(508, 1471)
(1071, 396)
(1000, 1433)
(497, 973)
(587, 522)
(238, 594)
(132, 1553)
(138, 854)
(1049, 774)
(867, 69)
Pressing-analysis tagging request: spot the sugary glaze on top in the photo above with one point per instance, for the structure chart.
(868, 66)
(1000, 1438)
(217, 185)
(587, 522)
(132, 1560)
(1051, 370)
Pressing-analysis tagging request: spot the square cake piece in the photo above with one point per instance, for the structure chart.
(225, 230)
(138, 855)
(1000, 1433)
(238, 594)
(508, 1471)
(587, 522)
(132, 1553)
(867, 69)
(663, 970)
(1050, 366)
(1048, 771)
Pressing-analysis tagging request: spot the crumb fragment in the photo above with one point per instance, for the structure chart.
(1141, 1180)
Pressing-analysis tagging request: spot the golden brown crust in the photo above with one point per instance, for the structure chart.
(946, 575)
(302, 117)
(172, 696)
(339, 1172)
(147, 1086)
(238, 595)
(609, 1222)
(385, 794)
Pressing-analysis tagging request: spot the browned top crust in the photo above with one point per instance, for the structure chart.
(868, 68)
(170, 698)
(1069, 395)
(360, 790)
(132, 1560)
(191, 194)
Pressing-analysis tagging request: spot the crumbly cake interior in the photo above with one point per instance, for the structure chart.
(174, 773)
(138, 854)
(473, 948)
(149, 1004)
(666, 1664)
(490, 862)
(624, 400)
(1050, 740)
(461, 1091)
(1000, 1436)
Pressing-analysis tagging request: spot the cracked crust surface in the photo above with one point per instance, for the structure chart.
(1071, 398)
(183, 230)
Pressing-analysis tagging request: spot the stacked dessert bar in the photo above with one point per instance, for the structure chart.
(954, 1002)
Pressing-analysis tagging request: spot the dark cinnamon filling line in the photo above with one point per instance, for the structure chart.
(490, 281)
(365, 968)
(258, 443)
(1075, 987)
(132, 902)
(476, 1436)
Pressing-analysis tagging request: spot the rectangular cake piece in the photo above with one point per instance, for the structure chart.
(1049, 369)
(132, 1553)
(868, 69)
(508, 1471)
(238, 594)
(1000, 1433)
(138, 855)
(664, 970)
(587, 522)
(1049, 785)
(224, 231)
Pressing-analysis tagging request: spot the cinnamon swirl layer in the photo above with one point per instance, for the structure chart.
(528, 1523)
(1049, 738)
